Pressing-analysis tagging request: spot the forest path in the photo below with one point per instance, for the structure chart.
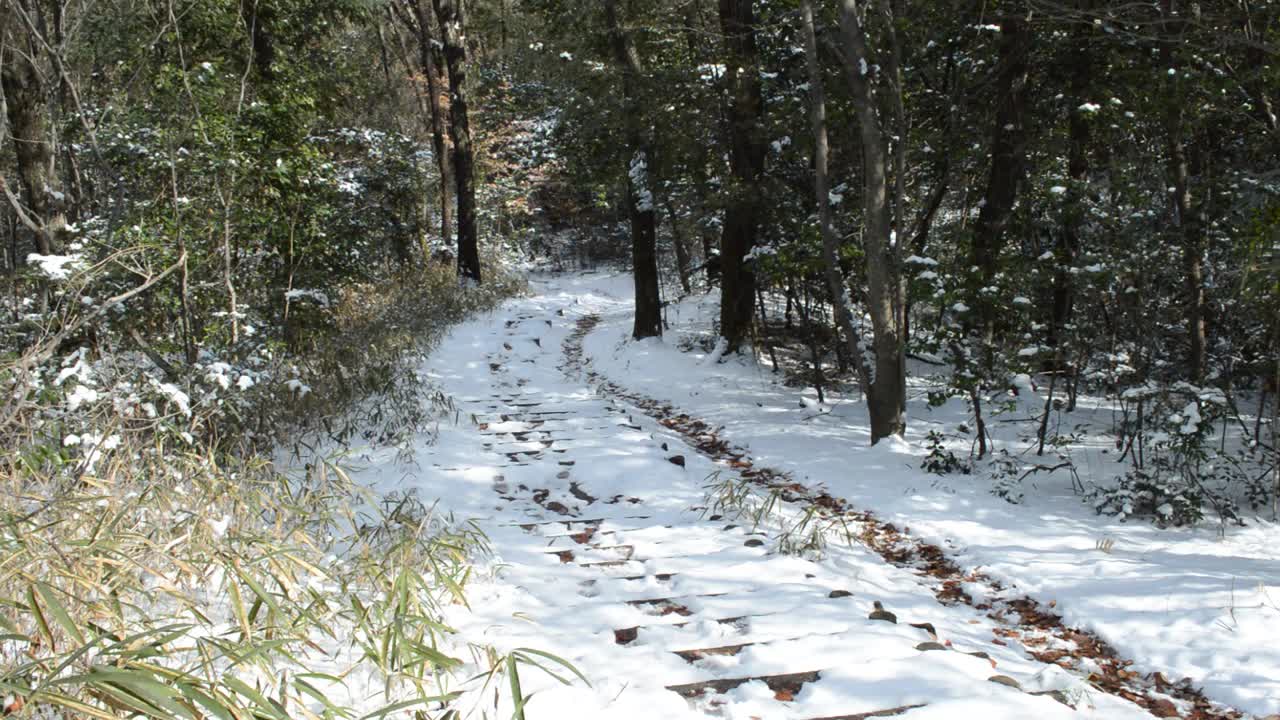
(674, 611)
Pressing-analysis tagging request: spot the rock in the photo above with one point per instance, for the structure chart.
(927, 646)
(839, 594)
(1062, 698)
(1005, 680)
(562, 475)
(881, 614)
(676, 460)
(927, 627)
(556, 506)
(1164, 708)
(754, 542)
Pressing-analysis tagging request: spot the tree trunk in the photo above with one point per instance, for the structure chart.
(681, 248)
(1078, 137)
(640, 210)
(256, 18)
(746, 163)
(452, 22)
(886, 397)
(438, 102)
(1008, 165)
(34, 148)
(821, 187)
(1188, 221)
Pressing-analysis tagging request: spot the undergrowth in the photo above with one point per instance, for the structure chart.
(157, 560)
(805, 532)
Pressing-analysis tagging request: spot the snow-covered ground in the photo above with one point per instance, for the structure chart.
(600, 557)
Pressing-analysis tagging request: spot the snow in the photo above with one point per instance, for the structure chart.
(639, 175)
(1185, 601)
(1190, 419)
(318, 297)
(176, 396)
(546, 453)
(81, 395)
(56, 267)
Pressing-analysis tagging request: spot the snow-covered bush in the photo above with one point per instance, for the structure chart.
(1176, 474)
(940, 460)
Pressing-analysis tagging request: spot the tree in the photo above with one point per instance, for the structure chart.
(1008, 166)
(886, 379)
(1188, 217)
(840, 300)
(1080, 69)
(27, 102)
(416, 16)
(640, 202)
(747, 145)
(452, 21)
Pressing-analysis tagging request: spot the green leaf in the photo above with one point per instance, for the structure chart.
(554, 658)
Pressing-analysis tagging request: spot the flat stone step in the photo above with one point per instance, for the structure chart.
(542, 430)
(887, 712)
(470, 468)
(723, 650)
(567, 522)
(788, 683)
(671, 600)
(625, 551)
(540, 417)
(623, 636)
(568, 443)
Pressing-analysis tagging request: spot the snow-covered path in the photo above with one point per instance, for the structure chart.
(605, 556)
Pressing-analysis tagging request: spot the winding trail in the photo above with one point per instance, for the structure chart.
(674, 611)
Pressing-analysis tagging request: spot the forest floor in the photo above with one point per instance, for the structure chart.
(699, 539)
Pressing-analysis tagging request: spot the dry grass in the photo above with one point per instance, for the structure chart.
(158, 564)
